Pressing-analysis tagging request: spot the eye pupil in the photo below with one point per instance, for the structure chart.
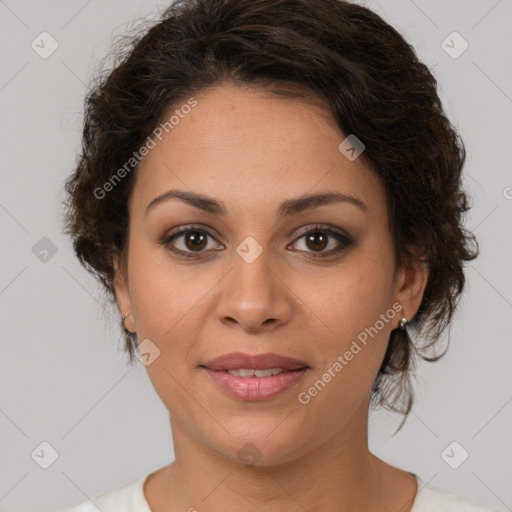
(197, 238)
(315, 237)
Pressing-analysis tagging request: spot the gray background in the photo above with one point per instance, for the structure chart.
(63, 377)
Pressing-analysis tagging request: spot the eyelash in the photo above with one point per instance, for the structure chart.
(345, 240)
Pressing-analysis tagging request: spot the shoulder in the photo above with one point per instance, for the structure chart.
(129, 498)
(431, 498)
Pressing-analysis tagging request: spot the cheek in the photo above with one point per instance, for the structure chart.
(350, 354)
(165, 297)
(352, 297)
(166, 301)
(354, 304)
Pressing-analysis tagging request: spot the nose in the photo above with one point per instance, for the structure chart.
(254, 295)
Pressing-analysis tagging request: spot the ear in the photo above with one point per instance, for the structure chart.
(411, 282)
(122, 292)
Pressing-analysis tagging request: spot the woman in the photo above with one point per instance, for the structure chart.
(271, 192)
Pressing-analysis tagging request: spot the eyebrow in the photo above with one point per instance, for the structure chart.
(287, 208)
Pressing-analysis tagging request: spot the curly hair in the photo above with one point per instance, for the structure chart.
(348, 57)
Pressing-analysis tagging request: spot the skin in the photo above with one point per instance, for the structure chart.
(252, 150)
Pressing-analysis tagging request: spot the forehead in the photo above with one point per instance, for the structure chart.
(250, 148)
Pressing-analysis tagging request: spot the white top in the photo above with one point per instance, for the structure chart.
(131, 499)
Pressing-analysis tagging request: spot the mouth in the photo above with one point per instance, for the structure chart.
(251, 372)
(255, 377)
(253, 362)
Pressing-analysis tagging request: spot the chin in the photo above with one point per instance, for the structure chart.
(262, 449)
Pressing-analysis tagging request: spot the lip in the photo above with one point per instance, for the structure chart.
(236, 360)
(255, 388)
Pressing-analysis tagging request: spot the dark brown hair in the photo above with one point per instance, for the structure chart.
(373, 85)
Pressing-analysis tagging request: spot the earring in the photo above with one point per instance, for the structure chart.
(123, 318)
(131, 335)
(403, 322)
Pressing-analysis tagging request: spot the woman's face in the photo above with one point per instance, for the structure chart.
(251, 280)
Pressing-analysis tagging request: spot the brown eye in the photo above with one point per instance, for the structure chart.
(318, 239)
(188, 241)
(195, 240)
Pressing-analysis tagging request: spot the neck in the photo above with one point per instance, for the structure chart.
(340, 474)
